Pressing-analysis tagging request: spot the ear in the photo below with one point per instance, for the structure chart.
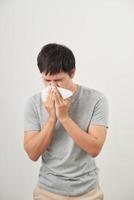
(72, 72)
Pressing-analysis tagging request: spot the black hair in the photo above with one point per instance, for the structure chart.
(54, 58)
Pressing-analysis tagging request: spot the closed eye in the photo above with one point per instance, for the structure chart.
(55, 80)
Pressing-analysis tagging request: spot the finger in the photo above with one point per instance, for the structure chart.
(60, 101)
(67, 102)
(58, 92)
(49, 95)
(56, 99)
(58, 95)
(52, 99)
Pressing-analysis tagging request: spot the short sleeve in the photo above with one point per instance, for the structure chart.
(100, 114)
(31, 118)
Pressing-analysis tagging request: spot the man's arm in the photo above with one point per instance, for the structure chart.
(36, 143)
(90, 142)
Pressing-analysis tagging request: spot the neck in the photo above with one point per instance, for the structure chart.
(73, 87)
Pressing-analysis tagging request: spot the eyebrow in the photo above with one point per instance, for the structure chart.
(54, 80)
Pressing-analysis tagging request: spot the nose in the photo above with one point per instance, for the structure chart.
(53, 83)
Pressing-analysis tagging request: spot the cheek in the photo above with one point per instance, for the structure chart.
(60, 84)
(63, 83)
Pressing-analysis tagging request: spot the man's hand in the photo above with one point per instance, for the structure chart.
(61, 105)
(49, 105)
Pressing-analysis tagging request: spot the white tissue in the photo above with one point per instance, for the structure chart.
(64, 92)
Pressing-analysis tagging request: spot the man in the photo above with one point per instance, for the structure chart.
(67, 133)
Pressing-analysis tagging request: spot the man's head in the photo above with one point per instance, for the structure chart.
(56, 63)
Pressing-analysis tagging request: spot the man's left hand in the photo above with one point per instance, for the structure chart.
(61, 105)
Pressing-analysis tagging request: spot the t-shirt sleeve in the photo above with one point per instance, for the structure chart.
(31, 118)
(100, 114)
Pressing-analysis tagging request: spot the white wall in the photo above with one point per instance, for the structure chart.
(101, 35)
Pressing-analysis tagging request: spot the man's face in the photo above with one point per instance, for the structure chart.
(61, 79)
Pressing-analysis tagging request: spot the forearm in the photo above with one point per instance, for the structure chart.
(85, 141)
(40, 141)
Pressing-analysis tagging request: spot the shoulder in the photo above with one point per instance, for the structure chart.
(92, 93)
(34, 99)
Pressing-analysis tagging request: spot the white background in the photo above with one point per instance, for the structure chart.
(101, 35)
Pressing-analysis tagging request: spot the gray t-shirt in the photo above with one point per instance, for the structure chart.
(66, 169)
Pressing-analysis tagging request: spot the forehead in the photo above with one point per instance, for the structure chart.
(55, 76)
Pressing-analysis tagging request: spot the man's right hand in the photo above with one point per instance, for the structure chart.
(50, 105)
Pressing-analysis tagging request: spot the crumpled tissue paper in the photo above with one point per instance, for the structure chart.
(64, 92)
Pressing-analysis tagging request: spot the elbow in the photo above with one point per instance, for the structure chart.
(31, 156)
(95, 152)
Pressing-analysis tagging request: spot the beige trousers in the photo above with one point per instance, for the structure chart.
(41, 194)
